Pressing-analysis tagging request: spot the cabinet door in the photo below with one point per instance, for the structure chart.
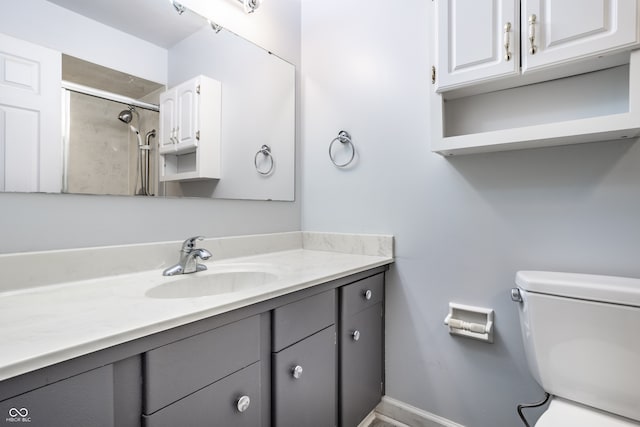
(308, 397)
(167, 121)
(361, 365)
(188, 115)
(471, 39)
(570, 30)
(83, 400)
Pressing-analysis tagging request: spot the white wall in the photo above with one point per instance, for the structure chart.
(463, 225)
(31, 222)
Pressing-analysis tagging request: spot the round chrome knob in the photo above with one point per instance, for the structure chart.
(243, 403)
(355, 335)
(296, 372)
(367, 294)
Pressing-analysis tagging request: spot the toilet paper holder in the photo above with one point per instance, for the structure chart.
(471, 322)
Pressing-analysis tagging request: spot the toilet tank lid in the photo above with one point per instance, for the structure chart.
(610, 289)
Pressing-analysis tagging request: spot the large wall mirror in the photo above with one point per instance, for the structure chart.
(81, 84)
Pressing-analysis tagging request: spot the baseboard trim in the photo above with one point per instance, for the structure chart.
(410, 415)
(368, 419)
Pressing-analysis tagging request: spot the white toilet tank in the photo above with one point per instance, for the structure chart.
(582, 337)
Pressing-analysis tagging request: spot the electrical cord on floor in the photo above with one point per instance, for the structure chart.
(531, 405)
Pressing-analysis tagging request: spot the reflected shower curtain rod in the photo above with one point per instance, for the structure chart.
(110, 96)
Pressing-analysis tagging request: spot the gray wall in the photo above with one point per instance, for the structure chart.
(464, 225)
(30, 222)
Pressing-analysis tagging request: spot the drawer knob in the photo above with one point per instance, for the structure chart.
(296, 372)
(243, 403)
(355, 335)
(367, 294)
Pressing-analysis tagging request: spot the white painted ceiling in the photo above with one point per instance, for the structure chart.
(155, 21)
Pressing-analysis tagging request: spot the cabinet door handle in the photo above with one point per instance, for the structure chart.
(367, 294)
(507, 41)
(243, 403)
(355, 335)
(533, 19)
(296, 372)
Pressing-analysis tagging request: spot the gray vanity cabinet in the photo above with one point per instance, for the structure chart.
(304, 363)
(361, 349)
(291, 361)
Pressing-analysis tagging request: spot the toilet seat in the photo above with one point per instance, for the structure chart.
(563, 413)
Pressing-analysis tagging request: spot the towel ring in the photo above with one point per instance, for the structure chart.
(265, 150)
(344, 138)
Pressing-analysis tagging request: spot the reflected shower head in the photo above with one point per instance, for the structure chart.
(126, 116)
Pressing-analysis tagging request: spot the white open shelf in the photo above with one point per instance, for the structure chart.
(598, 119)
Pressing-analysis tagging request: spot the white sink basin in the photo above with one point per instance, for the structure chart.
(211, 283)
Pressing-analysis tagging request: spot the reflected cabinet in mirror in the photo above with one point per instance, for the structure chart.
(145, 98)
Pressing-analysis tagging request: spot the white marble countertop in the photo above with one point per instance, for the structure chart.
(44, 325)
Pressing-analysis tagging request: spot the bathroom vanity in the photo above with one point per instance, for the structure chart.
(299, 351)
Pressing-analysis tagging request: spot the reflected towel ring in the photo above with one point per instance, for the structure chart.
(265, 150)
(344, 138)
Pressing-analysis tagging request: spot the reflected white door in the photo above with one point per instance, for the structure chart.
(30, 117)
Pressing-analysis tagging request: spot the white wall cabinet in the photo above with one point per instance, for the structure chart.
(505, 80)
(480, 40)
(189, 143)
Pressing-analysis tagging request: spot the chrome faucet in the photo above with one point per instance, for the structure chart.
(189, 255)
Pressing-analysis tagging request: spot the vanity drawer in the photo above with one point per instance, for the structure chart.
(354, 296)
(297, 320)
(175, 370)
(217, 404)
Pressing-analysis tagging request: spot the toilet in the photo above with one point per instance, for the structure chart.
(581, 336)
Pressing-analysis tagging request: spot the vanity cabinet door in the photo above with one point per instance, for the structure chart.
(304, 385)
(361, 351)
(82, 400)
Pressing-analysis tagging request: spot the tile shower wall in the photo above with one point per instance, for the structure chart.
(102, 150)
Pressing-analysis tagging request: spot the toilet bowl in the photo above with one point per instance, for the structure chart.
(582, 345)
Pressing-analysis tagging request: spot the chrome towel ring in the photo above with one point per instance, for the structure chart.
(265, 150)
(344, 138)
